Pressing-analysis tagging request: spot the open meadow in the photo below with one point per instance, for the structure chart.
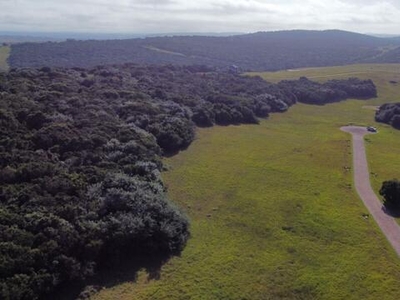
(4, 53)
(273, 211)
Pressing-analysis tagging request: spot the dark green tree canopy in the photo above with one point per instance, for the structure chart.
(389, 113)
(390, 191)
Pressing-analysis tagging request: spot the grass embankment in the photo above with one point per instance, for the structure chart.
(4, 54)
(274, 214)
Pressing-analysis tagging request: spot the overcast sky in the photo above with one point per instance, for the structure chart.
(163, 16)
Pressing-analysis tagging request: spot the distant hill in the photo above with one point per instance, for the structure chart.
(392, 56)
(258, 51)
(14, 39)
(27, 36)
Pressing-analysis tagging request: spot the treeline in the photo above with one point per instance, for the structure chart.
(260, 51)
(80, 162)
(389, 113)
(311, 92)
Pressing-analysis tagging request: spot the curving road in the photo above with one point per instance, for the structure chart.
(363, 186)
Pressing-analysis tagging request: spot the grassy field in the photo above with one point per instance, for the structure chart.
(4, 53)
(274, 214)
(378, 71)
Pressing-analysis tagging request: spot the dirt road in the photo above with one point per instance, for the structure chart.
(363, 186)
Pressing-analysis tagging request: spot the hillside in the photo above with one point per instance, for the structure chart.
(80, 149)
(257, 51)
(391, 56)
(274, 213)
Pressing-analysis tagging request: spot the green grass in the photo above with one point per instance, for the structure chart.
(382, 71)
(4, 54)
(274, 214)
(152, 48)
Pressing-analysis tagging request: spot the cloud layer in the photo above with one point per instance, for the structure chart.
(162, 16)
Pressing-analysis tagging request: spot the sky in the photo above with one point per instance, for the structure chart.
(179, 16)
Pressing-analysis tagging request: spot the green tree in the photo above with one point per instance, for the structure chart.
(390, 191)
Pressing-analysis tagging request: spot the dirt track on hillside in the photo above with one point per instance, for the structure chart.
(363, 186)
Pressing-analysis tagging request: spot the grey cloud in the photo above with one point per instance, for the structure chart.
(154, 2)
(232, 8)
(141, 16)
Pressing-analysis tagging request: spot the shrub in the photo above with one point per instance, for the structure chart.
(390, 191)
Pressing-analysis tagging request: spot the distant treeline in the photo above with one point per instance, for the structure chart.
(80, 160)
(311, 92)
(389, 113)
(260, 51)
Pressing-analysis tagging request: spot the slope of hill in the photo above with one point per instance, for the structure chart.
(80, 183)
(278, 217)
(389, 56)
(257, 51)
(15, 39)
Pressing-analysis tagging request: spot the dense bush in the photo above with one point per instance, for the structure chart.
(390, 191)
(354, 88)
(311, 92)
(389, 113)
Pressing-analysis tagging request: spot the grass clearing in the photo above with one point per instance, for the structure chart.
(274, 214)
(152, 48)
(383, 71)
(4, 54)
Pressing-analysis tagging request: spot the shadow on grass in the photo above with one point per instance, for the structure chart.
(112, 273)
(168, 153)
(171, 153)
